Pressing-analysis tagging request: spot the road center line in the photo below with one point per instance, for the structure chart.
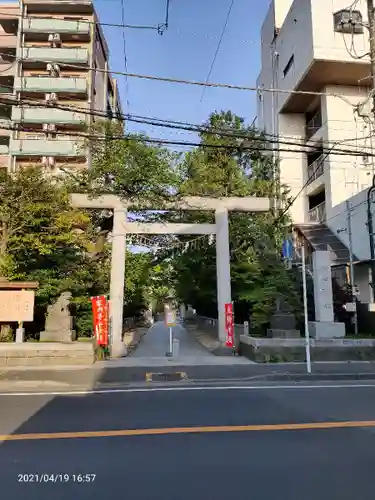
(188, 430)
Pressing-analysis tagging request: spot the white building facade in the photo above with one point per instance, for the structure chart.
(319, 47)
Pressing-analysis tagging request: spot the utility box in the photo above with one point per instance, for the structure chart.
(175, 348)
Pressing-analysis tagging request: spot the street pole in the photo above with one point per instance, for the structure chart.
(371, 27)
(370, 228)
(305, 311)
(352, 284)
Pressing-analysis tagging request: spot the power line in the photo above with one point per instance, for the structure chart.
(102, 137)
(190, 82)
(169, 123)
(188, 127)
(218, 47)
(242, 137)
(158, 27)
(125, 54)
(159, 122)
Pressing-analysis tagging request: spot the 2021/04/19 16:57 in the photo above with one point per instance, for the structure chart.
(55, 478)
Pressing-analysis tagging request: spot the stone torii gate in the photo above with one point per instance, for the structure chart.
(121, 227)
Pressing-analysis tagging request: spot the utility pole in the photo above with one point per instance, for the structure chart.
(352, 284)
(348, 230)
(371, 27)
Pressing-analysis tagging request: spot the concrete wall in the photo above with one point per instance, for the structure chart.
(339, 219)
(99, 77)
(348, 175)
(307, 33)
(329, 45)
(46, 354)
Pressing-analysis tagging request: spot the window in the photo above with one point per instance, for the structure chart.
(289, 64)
(346, 21)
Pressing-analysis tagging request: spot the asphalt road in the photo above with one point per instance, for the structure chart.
(154, 452)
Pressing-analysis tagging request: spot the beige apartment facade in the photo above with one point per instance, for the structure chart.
(316, 102)
(317, 46)
(52, 52)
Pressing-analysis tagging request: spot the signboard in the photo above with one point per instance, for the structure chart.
(229, 324)
(169, 316)
(100, 319)
(287, 249)
(16, 305)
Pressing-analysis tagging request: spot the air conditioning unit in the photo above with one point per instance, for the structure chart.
(51, 97)
(54, 39)
(49, 67)
(45, 160)
(366, 159)
(51, 161)
(45, 127)
(52, 127)
(56, 68)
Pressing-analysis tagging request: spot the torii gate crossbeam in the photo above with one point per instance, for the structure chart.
(121, 227)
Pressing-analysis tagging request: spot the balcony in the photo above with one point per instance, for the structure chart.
(43, 55)
(8, 41)
(44, 84)
(313, 125)
(60, 6)
(5, 124)
(47, 115)
(318, 213)
(52, 147)
(61, 26)
(316, 169)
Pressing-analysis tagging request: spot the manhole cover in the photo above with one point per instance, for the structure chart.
(166, 377)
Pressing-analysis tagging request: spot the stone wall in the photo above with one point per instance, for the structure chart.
(264, 350)
(46, 354)
(210, 325)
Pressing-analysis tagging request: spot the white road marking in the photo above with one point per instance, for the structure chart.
(189, 388)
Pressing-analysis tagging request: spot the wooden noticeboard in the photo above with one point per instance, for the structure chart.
(16, 306)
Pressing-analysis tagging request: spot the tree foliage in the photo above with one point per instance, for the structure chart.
(43, 238)
(129, 167)
(235, 164)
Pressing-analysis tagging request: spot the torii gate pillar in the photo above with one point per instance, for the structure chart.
(224, 294)
(116, 293)
(220, 206)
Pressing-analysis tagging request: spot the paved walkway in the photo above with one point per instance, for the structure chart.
(153, 347)
(156, 343)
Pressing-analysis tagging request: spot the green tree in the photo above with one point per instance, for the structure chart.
(129, 167)
(43, 238)
(231, 161)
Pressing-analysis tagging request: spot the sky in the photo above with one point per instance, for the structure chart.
(185, 51)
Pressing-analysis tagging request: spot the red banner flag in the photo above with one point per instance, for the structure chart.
(229, 324)
(100, 319)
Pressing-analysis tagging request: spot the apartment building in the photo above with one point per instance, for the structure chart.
(317, 46)
(52, 52)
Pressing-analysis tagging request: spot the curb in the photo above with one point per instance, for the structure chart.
(194, 374)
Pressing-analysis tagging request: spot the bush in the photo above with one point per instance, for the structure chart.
(6, 333)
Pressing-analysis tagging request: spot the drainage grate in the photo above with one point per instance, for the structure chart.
(165, 377)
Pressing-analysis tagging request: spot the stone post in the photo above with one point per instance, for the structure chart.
(118, 348)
